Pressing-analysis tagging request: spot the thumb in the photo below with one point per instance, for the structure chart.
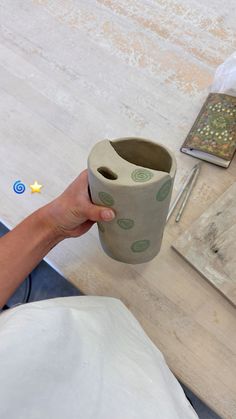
(99, 213)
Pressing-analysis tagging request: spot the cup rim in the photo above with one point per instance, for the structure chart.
(173, 168)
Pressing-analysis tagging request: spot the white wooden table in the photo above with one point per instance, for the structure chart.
(75, 72)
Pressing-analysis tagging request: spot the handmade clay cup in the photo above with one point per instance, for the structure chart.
(135, 177)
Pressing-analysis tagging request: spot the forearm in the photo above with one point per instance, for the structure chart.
(23, 248)
(69, 215)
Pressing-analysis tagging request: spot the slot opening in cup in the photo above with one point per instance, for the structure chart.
(107, 173)
(143, 153)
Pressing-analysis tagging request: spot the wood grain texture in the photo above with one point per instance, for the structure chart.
(210, 244)
(75, 72)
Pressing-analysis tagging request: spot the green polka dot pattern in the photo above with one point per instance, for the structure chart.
(125, 223)
(141, 175)
(140, 245)
(100, 227)
(106, 199)
(164, 191)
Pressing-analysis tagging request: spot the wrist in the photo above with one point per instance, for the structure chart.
(48, 222)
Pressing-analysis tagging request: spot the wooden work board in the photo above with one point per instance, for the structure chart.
(209, 245)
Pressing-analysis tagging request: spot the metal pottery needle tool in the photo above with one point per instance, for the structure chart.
(186, 188)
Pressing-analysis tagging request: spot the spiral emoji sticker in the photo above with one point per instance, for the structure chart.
(19, 187)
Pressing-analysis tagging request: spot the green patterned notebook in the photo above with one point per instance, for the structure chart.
(213, 134)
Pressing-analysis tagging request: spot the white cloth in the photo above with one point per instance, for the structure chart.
(83, 358)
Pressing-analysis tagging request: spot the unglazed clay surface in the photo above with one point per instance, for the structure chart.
(135, 177)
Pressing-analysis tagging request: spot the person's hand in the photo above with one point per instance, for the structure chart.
(72, 213)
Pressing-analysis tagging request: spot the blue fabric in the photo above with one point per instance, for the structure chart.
(201, 409)
(46, 283)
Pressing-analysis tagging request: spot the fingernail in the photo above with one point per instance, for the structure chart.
(107, 215)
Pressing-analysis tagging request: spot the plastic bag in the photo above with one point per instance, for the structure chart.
(225, 77)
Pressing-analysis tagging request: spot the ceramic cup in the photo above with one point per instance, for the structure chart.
(134, 176)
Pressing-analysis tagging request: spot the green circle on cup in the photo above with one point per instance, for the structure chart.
(100, 227)
(106, 199)
(140, 245)
(141, 175)
(125, 223)
(164, 191)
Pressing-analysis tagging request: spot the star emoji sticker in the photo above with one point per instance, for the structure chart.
(36, 187)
